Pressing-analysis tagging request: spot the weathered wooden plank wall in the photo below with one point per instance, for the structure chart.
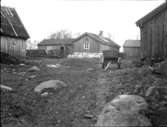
(13, 46)
(165, 37)
(132, 52)
(94, 47)
(153, 37)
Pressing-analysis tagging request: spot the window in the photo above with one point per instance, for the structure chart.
(86, 44)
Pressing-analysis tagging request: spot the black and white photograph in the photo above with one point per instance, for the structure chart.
(83, 63)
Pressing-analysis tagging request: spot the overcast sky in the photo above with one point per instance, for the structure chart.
(117, 17)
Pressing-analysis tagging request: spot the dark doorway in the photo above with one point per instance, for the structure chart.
(62, 51)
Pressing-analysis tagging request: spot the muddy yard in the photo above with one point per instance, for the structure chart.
(77, 105)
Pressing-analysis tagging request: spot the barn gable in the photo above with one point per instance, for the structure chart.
(11, 25)
(150, 15)
(132, 43)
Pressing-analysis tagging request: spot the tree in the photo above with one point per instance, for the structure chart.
(62, 34)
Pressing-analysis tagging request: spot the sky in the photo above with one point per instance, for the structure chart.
(114, 17)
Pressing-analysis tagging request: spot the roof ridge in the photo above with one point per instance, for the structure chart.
(132, 43)
(152, 13)
(11, 23)
(2, 7)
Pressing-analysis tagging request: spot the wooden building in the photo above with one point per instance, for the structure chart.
(92, 43)
(153, 29)
(131, 48)
(57, 47)
(13, 33)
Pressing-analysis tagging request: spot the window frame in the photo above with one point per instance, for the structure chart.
(86, 44)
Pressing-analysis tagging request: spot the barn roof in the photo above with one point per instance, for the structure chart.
(52, 42)
(150, 15)
(11, 24)
(132, 43)
(100, 39)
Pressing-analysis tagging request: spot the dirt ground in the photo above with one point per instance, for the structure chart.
(77, 105)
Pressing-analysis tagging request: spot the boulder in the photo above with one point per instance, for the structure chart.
(150, 91)
(129, 103)
(53, 65)
(22, 73)
(33, 68)
(6, 88)
(32, 76)
(44, 94)
(51, 84)
(90, 69)
(22, 64)
(124, 111)
(156, 91)
(163, 67)
(159, 68)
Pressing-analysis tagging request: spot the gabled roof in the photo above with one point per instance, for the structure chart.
(11, 24)
(150, 15)
(100, 39)
(132, 43)
(52, 42)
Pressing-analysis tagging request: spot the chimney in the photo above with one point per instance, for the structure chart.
(100, 33)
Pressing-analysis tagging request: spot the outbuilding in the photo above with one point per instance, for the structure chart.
(153, 31)
(132, 48)
(90, 43)
(56, 47)
(13, 33)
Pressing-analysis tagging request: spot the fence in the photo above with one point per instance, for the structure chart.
(36, 53)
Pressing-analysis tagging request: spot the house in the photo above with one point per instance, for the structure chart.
(153, 29)
(58, 47)
(132, 48)
(89, 43)
(13, 33)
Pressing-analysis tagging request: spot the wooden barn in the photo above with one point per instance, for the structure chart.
(153, 29)
(57, 47)
(92, 43)
(131, 48)
(13, 33)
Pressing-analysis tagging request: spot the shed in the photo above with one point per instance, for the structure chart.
(132, 48)
(153, 29)
(93, 43)
(57, 47)
(13, 33)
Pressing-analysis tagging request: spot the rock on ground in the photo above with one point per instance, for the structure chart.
(163, 67)
(55, 84)
(33, 68)
(129, 103)
(53, 65)
(158, 91)
(124, 111)
(6, 87)
(90, 69)
(160, 68)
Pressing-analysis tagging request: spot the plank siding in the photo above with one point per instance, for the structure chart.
(165, 34)
(13, 46)
(94, 46)
(153, 37)
(132, 52)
